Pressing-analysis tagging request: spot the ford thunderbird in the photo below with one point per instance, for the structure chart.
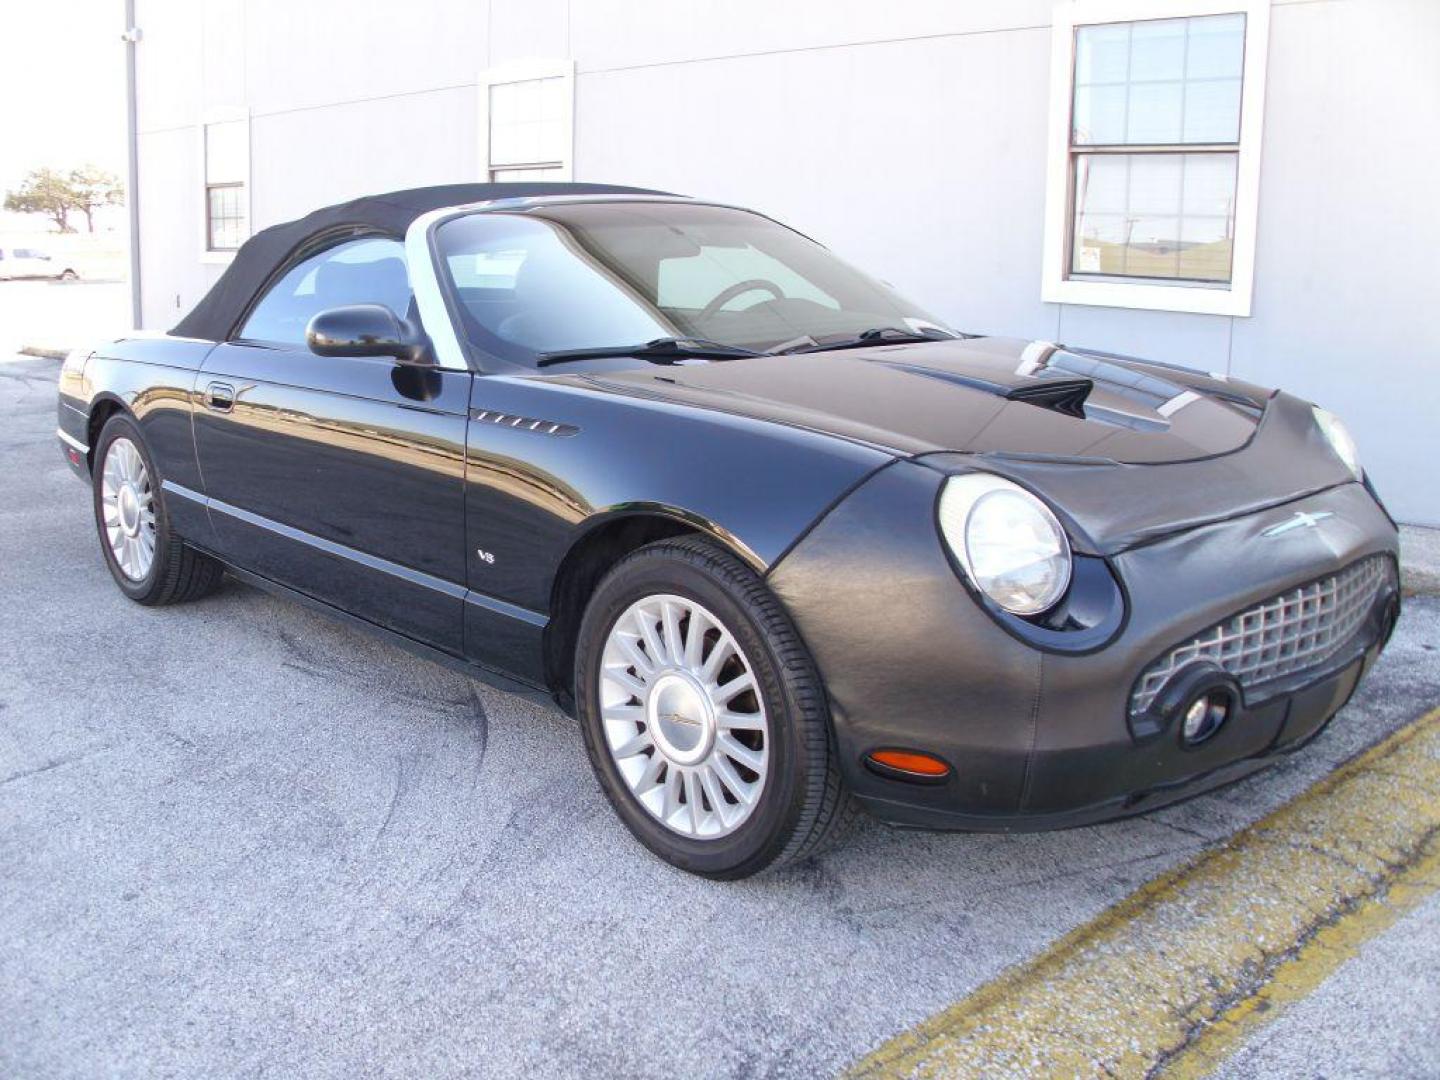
(784, 543)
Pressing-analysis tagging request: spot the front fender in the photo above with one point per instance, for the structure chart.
(154, 381)
(909, 659)
(72, 412)
(564, 457)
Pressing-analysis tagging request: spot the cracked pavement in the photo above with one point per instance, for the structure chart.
(237, 838)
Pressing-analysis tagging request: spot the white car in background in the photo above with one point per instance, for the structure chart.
(22, 262)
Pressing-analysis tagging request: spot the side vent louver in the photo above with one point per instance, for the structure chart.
(524, 423)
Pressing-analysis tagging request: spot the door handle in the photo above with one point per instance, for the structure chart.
(220, 397)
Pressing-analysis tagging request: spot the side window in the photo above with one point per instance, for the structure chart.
(369, 271)
(692, 281)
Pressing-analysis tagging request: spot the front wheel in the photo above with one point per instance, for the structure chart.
(69, 275)
(149, 562)
(705, 720)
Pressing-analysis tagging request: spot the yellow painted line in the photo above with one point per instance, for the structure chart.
(1175, 977)
(1313, 963)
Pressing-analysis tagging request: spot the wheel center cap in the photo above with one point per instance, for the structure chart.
(129, 510)
(680, 718)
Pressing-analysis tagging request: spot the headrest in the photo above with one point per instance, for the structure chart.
(382, 281)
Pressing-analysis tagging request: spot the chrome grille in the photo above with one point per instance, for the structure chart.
(1289, 633)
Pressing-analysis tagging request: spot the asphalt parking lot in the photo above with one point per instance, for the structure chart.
(236, 838)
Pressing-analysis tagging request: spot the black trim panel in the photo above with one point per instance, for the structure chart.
(372, 562)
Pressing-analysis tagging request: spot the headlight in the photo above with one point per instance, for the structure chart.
(1340, 440)
(1007, 540)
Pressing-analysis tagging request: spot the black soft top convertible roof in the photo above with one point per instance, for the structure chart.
(222, 307)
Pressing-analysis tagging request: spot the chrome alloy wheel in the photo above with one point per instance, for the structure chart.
(128, 504)
(683, 716)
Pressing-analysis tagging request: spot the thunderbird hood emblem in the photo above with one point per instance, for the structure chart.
(1301, 520)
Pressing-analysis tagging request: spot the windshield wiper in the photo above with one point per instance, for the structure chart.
(877, 335)
(659, 350)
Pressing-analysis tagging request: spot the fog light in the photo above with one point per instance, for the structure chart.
(1203, 717)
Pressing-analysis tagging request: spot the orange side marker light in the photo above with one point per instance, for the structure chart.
(911, 761)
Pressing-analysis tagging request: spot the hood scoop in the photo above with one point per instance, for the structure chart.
(1065, 394)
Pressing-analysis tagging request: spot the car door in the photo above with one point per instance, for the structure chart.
(341, 477)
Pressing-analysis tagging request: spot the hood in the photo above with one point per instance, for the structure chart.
(975, 395)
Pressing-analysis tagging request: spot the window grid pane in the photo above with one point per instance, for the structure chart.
(1158, 82)
(527, 122)
(1162, 216)
(225, 216)
(1157, 86)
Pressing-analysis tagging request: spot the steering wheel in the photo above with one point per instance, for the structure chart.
(740, 288)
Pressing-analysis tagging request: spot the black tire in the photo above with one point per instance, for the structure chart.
(69, 275)
(803, 804)
(178, 572)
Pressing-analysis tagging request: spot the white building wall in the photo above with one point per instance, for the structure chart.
(909, 136)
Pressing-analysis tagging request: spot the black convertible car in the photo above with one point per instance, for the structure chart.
(783, 542)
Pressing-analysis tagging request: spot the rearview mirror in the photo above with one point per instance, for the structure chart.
(367, 330)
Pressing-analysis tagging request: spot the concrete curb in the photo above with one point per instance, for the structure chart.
(43, 353)
(1172, 979)
(1419, 560)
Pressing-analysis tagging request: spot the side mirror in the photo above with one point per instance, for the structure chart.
(367, 330)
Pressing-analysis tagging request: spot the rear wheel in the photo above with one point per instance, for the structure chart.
(69, 275)
(148, 561)
(705, 719)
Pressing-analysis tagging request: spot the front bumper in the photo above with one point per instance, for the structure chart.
(1040, 739)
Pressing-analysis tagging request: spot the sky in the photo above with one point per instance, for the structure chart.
(62, 87)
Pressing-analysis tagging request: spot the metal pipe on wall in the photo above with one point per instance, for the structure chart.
(131, 37)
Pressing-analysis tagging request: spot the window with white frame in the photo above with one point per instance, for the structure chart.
(527, 121)
(1154, 156)
(227, 174)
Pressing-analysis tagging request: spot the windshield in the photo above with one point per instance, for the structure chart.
(587, 276)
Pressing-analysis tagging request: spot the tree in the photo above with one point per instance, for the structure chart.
(55, 194)
(91, 188)
(44, 191)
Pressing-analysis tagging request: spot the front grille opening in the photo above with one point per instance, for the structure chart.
(1285, 635)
